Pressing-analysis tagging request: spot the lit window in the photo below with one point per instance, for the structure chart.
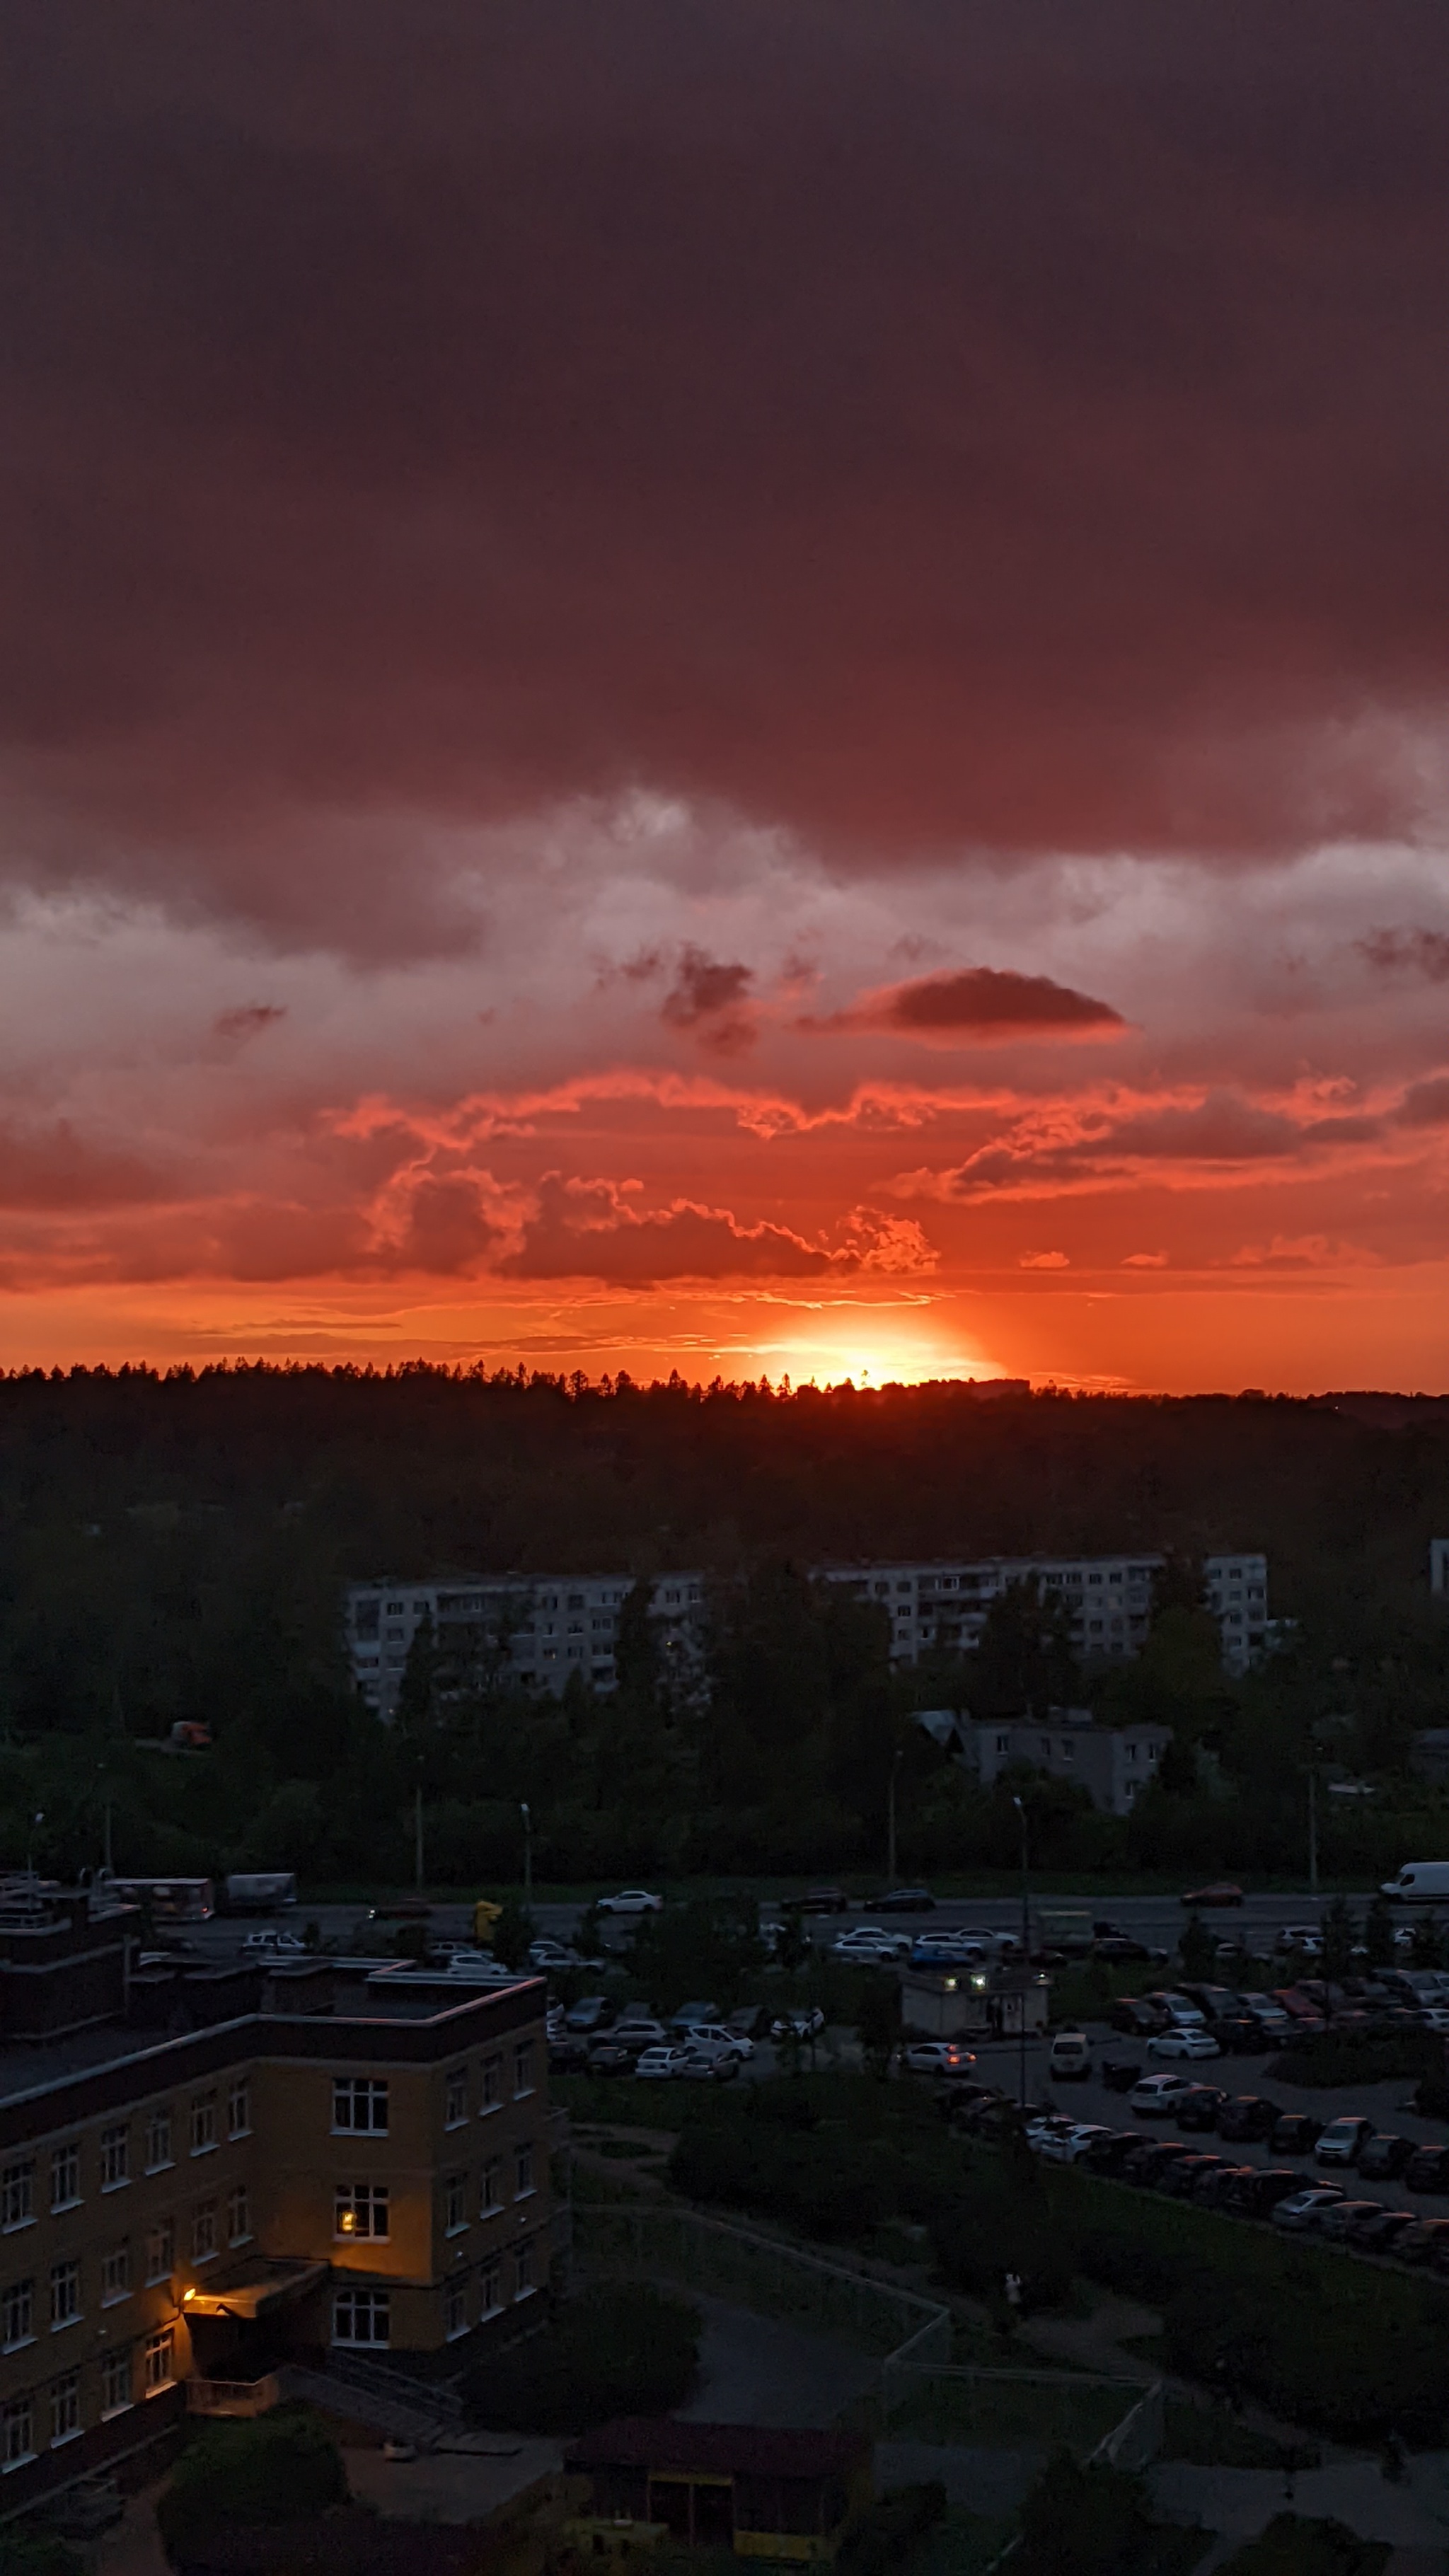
(362, 2316)
(203, 2124)
(17, 2313)
(160, 2362)
(115, 2157)
(65, 2176)
(359, 2104)
(115, 2383)
(361, 2209)
(17, 2196)
(160, 2252)
(17, 2434)
(65, 2415)
(203, 2232)
(115, 2275)
(65, 2306)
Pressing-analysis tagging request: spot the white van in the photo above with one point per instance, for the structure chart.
(1419, 1882)
(1071, 2056)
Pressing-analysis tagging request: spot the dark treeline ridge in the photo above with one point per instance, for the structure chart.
(174, 1546)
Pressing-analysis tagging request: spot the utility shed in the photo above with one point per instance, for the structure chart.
(764, 2494)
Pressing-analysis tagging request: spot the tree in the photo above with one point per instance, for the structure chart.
(1428, 1946)
(1197, 1949)
(1025, 1659)
(1378, 1933)
(878, 2023)
(417, 1692)
(513, 1934)
(1340, 1934)
(281, 2468)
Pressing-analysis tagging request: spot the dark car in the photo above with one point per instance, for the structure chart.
(1199, 2108)
(1344, 2140)
(903, 1900)
(1381, 2235)
(1427, 2241)
(1385, 2156)
(1121, 2078)
(1339, 2222)
(1221, 1892)
(1151, 2160)
(1248, 2115)
(1218, 2002)
(1296, 2134)
(1140, 2019)
(1242, 2035)
(818, 1900)
(1181, 2178)
(1108, 2154)
(637, 2035)
(750, 2021)
(568, 2056)
(1120, 1950)
(1265, 2186)
(1224, 2189)
(610, 2057)
(1428, 2169)
(590, 2013)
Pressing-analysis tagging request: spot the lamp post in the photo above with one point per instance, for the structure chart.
(896, 1760)
(527, 1857)
(1025, 1953)
(1312, 1830)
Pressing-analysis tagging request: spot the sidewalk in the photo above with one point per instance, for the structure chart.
(1239, 2503)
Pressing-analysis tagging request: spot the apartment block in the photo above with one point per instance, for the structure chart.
(536, 1629)
(1108, 1600)
(1112, 1763)
(336, 2160)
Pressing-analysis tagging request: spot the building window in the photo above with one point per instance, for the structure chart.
(203, 2231)
(492, 2082)
(456, 2107)
(522, 2069)
(523, 2173)
(160, 2361)
(359, 2105)
(115, 2157)
(17, 2313)
(65, 2420)
(65, 2188)
(1003, 1744)
(524, 2282)
(455, 2311)
(238, 2216)
(17, 2434)
(160, 2251)
(361, 2209)
(203, 2124)
(239, 2110)
(490, 2281)
(158, 2141)
(65, 2302)
(455, 2209)
(115, 2275)
(362, 2316)
(491, 2197)
(17, 2196)
(115, 2383)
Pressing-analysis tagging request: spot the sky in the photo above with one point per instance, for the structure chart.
(741, 687)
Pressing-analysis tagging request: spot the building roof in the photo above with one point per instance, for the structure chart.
(663, 2443)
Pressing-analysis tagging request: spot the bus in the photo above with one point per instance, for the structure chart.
(170, 1900)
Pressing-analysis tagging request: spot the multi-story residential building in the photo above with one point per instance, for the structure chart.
(345, 2159)
(1108, 1600)
(538, 1629)
(1112, 1763)
(1439, 1566)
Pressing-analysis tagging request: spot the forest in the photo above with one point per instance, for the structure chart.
(174, 1547)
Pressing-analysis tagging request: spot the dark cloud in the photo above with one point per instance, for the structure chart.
(979, 1002)
(249, 1019)
(587, 1231)
(935, 430)
(1425, 1104)
(1412, 952)
(1222, 1131)
(707, 998)
(55, 1170)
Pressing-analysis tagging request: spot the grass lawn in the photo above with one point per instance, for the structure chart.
(1011, 2414)
(1209, 2437)
(962, 2544)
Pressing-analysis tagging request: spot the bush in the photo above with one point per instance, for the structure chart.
(1083, 2522)
(38, 2553)
(617, 2349)
(1293, 2547)
(282, 2468)
(892, 2527)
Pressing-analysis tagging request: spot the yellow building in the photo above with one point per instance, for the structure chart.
(351, 2163)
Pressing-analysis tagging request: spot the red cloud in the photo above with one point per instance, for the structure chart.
(588, 1230)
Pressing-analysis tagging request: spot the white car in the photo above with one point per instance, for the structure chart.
(1185, 2013)
(868, 1941)
(270, 1944)
(713, 2034)
(805, 2022)
(654, 2063)
(630, 1900)
(1063, 2146)
(937, 2057)
(1153, 2094)
(1183, 2043)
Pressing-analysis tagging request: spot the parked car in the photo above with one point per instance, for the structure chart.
(805, 2023)
(904, 1900)
(1120, 1950)
(654, 2063)
(1248, 2115)
(1262, 2187)
(274, 1945)
(1151, 2161)
(1381, 2235)
(638, 2035)
(748, 2021)
(590, 2013)
(1224, 2189)
(1156, 2097)
(630, 1900)
(547, 1953)
(1108, 2153)
(1133, 2014)
(1221, 1892)
(1299, 2211)
(1303, 1937)
(1069, 2146)
(1426, 2241)
(1180, 2009)
(1121, 2078)
(568, 2056)
(1183, 2043)
(938, 2057)
(1428, 2169)
(870, 1941)
(607, 2057)
(1200, 2106)
(1337, 2223)
(1069, 2059)
(706, 2063)
(700, 2008)
(818, 1900)
(1384, 2156)
(718, 2034)
(1182, 2177)
(1242, 2035)
(1344, 2140)
(1295, 2133)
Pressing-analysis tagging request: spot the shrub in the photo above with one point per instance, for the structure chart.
(1083, 2522)
(892, 2527)
(38, 2553)
(617, 2349)
(280, 2469)
(1292, 2546)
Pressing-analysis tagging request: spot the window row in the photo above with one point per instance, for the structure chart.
(364, 2316)
(361, 2104)
(56, 2300)
(53, 2414)
(493, 2179)
(62, 2179)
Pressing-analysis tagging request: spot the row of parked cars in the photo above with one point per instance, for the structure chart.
(596, 2037)
(1245, 2024)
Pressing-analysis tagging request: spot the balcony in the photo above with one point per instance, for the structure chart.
(239, 2397)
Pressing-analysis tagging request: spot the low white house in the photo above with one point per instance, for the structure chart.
(1113, 1763)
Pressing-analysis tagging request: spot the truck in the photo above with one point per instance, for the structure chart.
(1062, 1927)
(258, 1891)
(1419, 1882)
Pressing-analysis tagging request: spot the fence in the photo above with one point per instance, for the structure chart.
(1019, 2410)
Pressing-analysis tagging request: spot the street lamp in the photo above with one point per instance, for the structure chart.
(1025, 1951)
(896, 1760)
